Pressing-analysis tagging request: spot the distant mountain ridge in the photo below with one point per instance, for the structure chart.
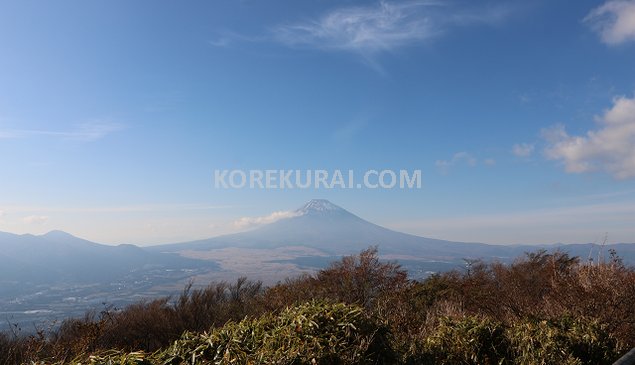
(318, 224)
(61, 257)
(325, 226)
(54, 276)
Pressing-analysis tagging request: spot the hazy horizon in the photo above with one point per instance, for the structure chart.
(246, 224)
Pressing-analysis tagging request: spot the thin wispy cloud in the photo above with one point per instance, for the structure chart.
(348, 131)
(250, 222)
(610, 148)
(84, 132)
(365, 29)
(458, 158)
(7, 134)
(523, 149)
(384, 26)
(226, 38)
(35, 219)
(219, 42)
(177, 207)
(614, 21)
(602, 196)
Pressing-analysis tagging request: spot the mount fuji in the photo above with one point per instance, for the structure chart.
(332, 231)
(322, 225)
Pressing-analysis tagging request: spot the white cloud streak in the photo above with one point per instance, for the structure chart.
(458, 158)
(250, 222)
(383, 27)
(523, 149)
(84, 132)
(116, 209)
(610, 149)
(35, 219)
(614, 21)
(348, 131)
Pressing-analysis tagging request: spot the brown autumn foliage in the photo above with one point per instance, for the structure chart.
(535, 288)
(547, 285)
(361, 279)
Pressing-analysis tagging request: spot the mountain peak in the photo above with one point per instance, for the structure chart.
(319, 206)
(58, 234)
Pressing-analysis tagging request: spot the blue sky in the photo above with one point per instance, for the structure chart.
(520, 115)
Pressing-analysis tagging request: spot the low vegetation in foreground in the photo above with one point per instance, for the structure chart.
(545, 308)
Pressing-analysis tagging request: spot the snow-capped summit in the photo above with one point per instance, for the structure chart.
(319, 206)
(322, 225)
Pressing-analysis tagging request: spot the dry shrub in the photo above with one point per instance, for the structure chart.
(475, 340)
(358, 279)
(311, 333)
(466, 340)
(606, 292)
(547, 286)
(12, 351)
(200, 309)
(18, 349)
